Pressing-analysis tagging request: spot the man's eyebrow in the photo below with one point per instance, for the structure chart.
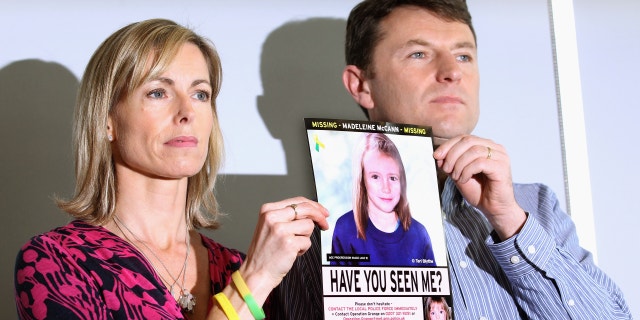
(418, 42)
(465, 45)
(457, 45)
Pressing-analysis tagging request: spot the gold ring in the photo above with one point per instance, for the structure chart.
(295, 212)
(488, 152)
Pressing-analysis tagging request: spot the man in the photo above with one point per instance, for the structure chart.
(513, 253)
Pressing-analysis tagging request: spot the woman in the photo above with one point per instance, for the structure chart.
(148, 150)
(380, 224)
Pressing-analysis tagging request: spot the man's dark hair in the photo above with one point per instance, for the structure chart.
(363, 25)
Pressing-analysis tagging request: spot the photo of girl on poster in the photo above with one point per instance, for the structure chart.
(380, 223)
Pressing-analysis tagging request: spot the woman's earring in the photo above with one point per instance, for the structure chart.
(110, 137)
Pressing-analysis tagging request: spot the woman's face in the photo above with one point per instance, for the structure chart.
(162, 128)
(437, 312)
(382, 180)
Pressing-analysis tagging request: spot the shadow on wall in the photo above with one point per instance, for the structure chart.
(36, 103)
(301, 72)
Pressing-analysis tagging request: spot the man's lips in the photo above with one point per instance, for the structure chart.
(447, 100)
(182, 141)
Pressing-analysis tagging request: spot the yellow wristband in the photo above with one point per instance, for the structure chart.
(226, 306)
(255, 309)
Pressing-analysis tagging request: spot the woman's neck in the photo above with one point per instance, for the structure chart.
(153, 208)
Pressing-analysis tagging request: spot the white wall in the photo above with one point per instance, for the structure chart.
(282, 61)
(608, 34)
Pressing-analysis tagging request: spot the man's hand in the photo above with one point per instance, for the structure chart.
(482, 172)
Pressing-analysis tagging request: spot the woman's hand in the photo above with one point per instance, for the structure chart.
(281, 235)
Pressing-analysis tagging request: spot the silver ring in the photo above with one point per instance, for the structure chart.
(488, 152)
(295, 212)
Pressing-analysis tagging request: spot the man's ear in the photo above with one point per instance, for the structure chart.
(356, 84)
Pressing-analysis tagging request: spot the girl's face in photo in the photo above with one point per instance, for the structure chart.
(437, 312)
(382, 180)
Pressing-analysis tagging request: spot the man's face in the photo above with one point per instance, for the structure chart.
(425, 72)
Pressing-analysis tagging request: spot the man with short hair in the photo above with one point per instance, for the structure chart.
(513, 253)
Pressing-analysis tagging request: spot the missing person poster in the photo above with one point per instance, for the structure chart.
(384, 255)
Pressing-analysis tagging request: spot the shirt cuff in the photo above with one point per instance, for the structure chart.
(525, 252)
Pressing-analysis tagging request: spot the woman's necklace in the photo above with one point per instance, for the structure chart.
(186, 300)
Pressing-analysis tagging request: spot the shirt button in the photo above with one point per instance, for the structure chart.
(571, 303)
(463, 264)
(531, 249)
(482, 318)
(515, 259)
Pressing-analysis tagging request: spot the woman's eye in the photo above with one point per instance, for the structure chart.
(394, 178)
(156, 94)
(202, 95)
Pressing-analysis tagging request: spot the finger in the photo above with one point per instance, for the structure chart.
(451, 152)
(489, 160)
(304, 243)
(313, 211)
(282, 204)
(469, 155)
(441, 151)
(298, 201)
(471, 161)
(304, 209)
(293, 237)
(279, 215)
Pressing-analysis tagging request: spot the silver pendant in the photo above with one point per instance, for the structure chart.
(186, 301)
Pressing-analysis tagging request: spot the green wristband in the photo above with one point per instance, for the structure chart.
(253, 306)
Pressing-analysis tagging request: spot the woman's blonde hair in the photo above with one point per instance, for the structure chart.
(381, 143)
(118, 66)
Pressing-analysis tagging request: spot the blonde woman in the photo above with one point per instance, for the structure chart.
(148, 150)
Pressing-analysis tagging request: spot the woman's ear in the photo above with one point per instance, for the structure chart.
(357, 85)
(109, 128)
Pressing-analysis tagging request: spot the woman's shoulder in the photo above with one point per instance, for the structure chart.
(78, 247)
(70, 235)
(78, 241)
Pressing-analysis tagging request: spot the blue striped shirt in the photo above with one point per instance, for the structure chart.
(540, 273)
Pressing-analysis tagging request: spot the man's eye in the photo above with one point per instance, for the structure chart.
(464, 58)
(418, 55)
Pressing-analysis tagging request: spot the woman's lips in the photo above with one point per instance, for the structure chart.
(183, 142)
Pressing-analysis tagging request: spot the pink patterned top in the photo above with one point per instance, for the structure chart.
(81, 271)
